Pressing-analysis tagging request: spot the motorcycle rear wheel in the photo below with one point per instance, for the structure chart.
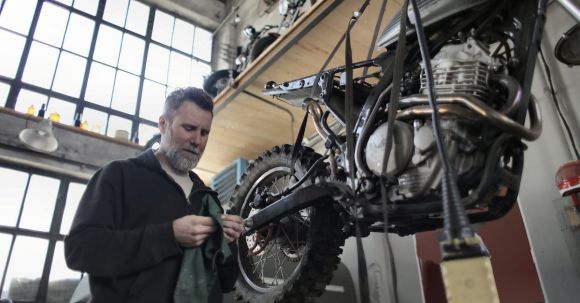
(260, 46)
(297, 260)
(218, 81)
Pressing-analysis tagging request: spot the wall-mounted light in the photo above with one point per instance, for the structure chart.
(568, 48)
(40, 137)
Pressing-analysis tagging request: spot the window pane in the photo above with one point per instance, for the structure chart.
(4, 89)
(96, 120)
(79, 34)
(10, 55)
(115, 12)
(40, 65)
(157, 63)
(125, 94)
(27, 98)
(132, 54)
(179, 68)
(152, 100)
(108, 45)
(17, 15)
(87, 6)
(100, 86)
(12, 188)
(199, 71)
(5, 241)
(73, 197)
(26, 264)
(146, 132)
(202, 44)
(183, 36)
(137, 18)
(69, 74)
(163, 27)
(118, 123)
(65, 109)
(62, 281)
(51, 24)
(39, 203)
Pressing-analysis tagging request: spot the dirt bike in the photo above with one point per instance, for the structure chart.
(300, 206)
(258, 41)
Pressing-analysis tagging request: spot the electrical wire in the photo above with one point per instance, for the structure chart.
(456, 223)
(557, 105)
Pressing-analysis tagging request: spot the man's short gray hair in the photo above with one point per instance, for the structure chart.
(191, 94)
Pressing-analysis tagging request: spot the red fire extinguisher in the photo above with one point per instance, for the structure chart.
(568, 181)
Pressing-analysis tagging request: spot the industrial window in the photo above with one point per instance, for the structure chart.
(36, 212)
(111, 61)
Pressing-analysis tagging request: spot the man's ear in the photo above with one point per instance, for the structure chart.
(163, 124)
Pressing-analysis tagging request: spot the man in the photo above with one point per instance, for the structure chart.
(138, 216)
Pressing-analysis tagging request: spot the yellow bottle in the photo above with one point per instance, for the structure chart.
(31, 110)
(96, 128)
(84, 125)
(54, 117)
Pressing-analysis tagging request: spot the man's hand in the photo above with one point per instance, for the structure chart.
(233, 227)
(193, 230)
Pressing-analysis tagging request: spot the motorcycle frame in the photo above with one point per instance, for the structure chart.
(526, 47)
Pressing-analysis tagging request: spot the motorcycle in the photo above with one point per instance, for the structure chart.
(258, 41)
(300, 206)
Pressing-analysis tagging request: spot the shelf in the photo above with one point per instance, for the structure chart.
(245, 126)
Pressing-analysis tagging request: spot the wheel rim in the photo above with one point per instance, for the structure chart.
(220, 84)
(281, 256)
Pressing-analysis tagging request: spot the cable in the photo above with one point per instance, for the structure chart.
(456, 223)
(557, 104)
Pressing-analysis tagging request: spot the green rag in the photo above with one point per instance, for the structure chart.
(198, 271)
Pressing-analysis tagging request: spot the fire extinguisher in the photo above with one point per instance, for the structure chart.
(568, 181)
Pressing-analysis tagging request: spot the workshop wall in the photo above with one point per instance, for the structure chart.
(554, 259)
(257, 13)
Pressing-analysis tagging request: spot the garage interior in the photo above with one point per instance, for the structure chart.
(99, 70)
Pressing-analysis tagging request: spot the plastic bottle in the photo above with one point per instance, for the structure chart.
(54, 117)
(31, 110)
(85, 125)
(96, 128)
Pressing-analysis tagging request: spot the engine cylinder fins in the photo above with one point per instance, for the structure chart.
(462, 69)
(459, 78)
(401, 151)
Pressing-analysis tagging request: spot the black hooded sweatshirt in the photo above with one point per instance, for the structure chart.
(122, 233)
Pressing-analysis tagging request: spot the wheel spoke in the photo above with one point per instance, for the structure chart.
(276, 186)
(281, 268)
(288, 237)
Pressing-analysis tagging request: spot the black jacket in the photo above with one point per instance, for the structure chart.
(122, 233)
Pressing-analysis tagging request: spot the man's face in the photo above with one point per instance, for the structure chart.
(184, 138)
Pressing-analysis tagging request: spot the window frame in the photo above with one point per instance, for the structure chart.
(16, 83)
(53, 235)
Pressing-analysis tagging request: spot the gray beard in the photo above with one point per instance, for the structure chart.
(180, 163)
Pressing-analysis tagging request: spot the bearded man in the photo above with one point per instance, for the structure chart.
(147, 229)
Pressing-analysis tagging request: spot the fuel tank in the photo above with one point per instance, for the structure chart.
(432, 11)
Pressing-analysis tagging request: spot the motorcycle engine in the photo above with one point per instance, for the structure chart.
(457, 69)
